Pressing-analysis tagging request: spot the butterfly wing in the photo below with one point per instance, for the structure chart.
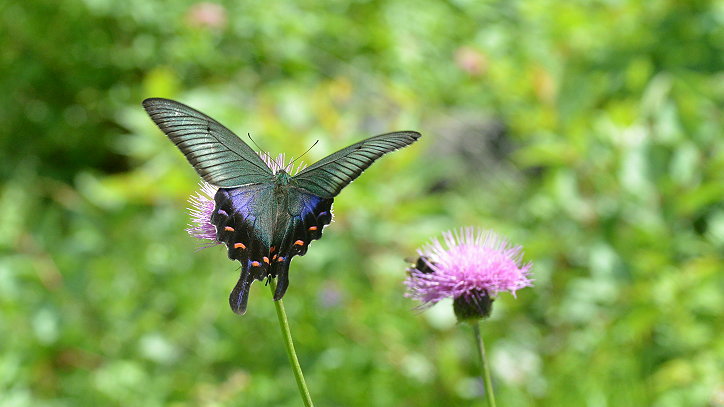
(305, 215)
(244, 218)
(219, 156)
(328, 176)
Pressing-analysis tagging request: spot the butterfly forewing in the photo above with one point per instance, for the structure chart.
(218, 155)
(328, 176)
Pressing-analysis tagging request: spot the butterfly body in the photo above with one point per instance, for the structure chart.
(264, 216)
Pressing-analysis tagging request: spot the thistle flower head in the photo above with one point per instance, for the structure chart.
(472, 267)
(276, 164)
(201, 207)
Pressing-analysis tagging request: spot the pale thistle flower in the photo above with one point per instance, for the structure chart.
(201, 207)
(277, 164)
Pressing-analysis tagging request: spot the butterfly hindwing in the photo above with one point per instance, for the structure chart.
(219, 156)
(328, 176)
(244, 219)
(306, 216)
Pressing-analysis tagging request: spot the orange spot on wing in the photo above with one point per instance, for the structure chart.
(255, 264)
(274, 258)
(266, 260)
(299, 243)
(239, 246)
(280, 258)
(229, 229)
(313, 228)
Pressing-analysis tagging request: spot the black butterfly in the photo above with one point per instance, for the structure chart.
(264, 218)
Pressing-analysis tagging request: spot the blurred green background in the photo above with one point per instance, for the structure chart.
(590, 132)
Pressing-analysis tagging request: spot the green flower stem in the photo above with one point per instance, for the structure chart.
(287, 335)
(484, 364)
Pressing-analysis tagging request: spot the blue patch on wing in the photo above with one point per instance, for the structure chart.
(245, 200)
(308, 205)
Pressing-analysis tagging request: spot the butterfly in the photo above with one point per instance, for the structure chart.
(265, 217)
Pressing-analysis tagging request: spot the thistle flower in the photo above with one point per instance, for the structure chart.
(472, 267)
(278, 163)
(201, 207)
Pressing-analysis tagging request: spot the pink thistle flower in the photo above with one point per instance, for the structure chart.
(472, 268)
(202, 206)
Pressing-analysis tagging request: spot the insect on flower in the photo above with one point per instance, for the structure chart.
(264, 212)
(471, 268)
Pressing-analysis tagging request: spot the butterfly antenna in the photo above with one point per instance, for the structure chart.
(303, 154)
(257, 146)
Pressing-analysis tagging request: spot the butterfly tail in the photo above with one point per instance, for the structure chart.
(282, 272)
(240, 294)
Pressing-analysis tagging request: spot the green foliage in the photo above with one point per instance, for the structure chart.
(588, 132)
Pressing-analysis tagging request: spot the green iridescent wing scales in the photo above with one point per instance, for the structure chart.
(328, 176)
(218, 155)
